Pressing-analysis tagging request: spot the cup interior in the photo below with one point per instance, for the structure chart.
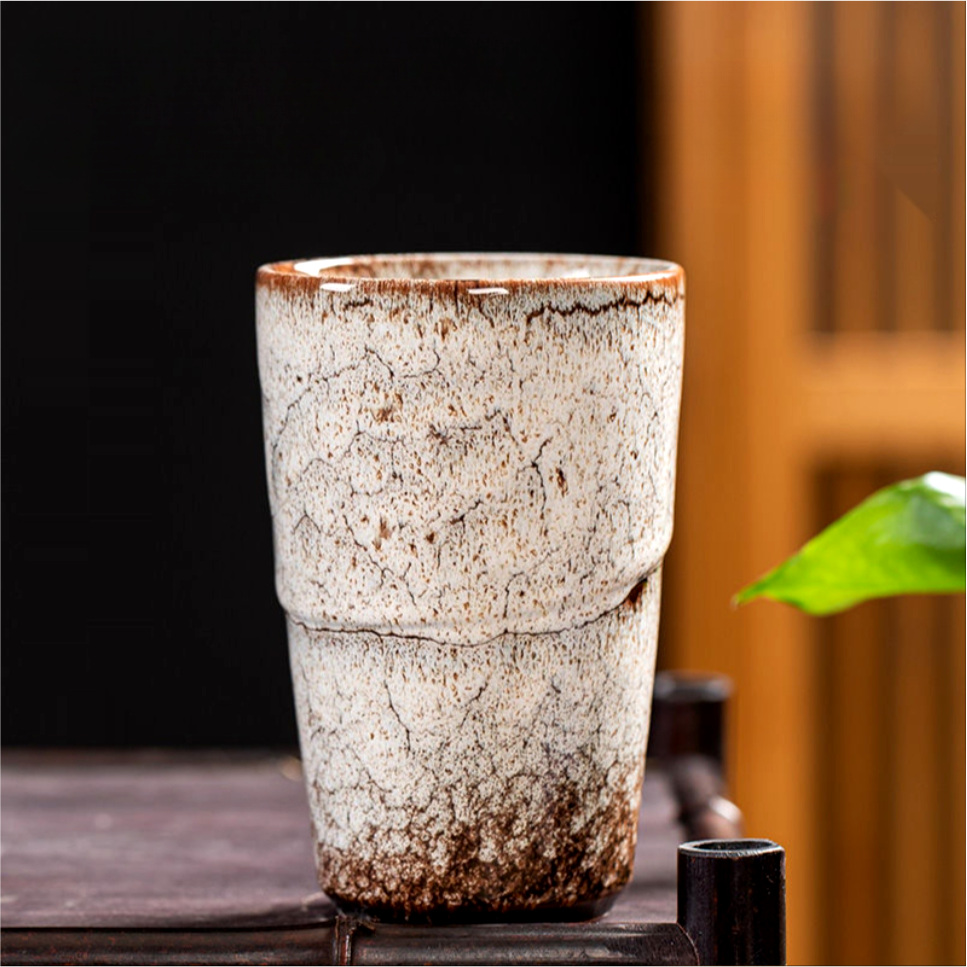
(473, 267)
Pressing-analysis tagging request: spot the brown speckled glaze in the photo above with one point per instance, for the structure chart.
(471, 471)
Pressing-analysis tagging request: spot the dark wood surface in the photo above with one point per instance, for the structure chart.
(198, 847)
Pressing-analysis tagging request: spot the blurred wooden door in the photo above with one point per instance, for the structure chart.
(811, 181)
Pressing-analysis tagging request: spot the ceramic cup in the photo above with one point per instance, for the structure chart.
(471, 464)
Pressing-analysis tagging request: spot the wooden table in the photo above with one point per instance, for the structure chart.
(189, 858)
(156, 858)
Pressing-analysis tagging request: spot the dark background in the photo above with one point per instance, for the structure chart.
(155, 154)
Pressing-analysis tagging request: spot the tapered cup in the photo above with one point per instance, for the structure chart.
(471, 465)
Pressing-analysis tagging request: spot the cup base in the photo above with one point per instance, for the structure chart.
(444, 916)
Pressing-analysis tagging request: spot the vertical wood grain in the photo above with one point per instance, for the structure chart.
(885, 214)
(746, 147)
(945, 218)
(855, 814)
(912, 918)
(702, 225)
(953, 803)
(856, 274)
(955, 190)
(778, 717)
(912, 160)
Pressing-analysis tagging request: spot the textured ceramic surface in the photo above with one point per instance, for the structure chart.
(471, 471)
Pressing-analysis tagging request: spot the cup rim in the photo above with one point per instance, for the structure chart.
(484, 272)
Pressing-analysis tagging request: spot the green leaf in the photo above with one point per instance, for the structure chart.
(905, 539)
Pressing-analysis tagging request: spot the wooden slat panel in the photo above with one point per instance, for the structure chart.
(953, 805)
(780, 672)
(877, 393)
(955, 186)
(912, 918)
(855, 813)
(885, 227)
(944, 219)
(769, 401)
(915, 293)
(700, 204)
(894, 819)
(924, 714)
(714, 62)
(913, 155)
(856, 276)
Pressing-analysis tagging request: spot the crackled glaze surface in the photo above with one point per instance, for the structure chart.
(500, 778)
(457, 460)
(471, 472)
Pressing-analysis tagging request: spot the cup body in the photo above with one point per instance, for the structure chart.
(471, 464)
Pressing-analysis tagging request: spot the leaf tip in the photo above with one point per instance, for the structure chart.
(749, 593)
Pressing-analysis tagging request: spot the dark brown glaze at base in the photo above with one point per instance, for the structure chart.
(445, 916)
(569, 868)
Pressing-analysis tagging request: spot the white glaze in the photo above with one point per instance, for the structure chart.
(419, 757)
(468, 479)
(457, 466)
